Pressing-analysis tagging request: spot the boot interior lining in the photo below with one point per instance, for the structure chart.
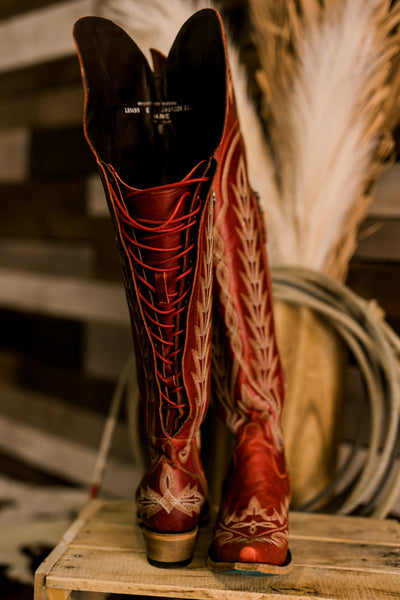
(153, 127)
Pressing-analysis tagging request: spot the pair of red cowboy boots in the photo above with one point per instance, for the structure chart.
(170, 153)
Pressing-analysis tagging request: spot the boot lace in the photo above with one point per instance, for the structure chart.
(162, 253)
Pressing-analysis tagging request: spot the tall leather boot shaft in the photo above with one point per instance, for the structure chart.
(166, 250)
(154, 136)
(248, 381)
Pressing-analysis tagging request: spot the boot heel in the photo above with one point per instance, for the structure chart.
(169, 550)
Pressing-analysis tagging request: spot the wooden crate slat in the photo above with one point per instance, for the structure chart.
(119, 537)
(118, 512)
(127, 571)
(302, 526)
(40, 592)
(349, 529)
(309, 551)
(316, 531)
(346, 556)
(106, 554)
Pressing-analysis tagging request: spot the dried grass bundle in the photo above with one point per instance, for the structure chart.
(330, 80)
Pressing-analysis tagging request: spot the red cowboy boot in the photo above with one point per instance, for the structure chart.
(154, 136)
(252, 526)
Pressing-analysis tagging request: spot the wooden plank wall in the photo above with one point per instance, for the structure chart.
(63, 316)
(63, 320)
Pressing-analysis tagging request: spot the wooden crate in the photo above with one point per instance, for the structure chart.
(346, 558)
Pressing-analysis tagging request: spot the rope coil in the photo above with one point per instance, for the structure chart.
(376, 348)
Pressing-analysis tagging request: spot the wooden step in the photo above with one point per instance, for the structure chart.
(335, 558)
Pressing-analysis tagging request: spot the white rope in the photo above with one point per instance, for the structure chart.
(376, 348)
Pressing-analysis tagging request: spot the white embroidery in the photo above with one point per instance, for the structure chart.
(262, 388)
(225, 379)
(265, 364)
(254, 523)
(202, 332)
(188, 501)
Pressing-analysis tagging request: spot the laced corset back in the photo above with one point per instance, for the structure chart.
(159, 228)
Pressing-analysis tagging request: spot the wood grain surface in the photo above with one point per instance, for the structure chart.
(340, 558)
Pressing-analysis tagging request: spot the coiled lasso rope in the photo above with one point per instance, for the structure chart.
(375, 485)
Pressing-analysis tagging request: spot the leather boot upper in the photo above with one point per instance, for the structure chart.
(154, 134)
